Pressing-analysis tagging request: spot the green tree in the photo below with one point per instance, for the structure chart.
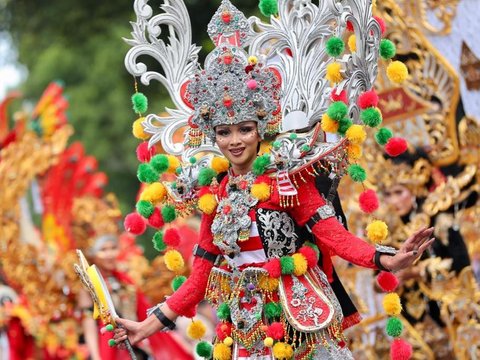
(80, 43)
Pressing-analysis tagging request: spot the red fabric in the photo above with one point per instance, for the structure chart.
(331, 238)
(185, 299)
(162, 344)
(22, 345)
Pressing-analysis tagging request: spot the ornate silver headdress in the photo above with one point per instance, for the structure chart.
(292, 43)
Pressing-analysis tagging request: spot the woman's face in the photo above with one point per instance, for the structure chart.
(239, 144)
(400, 198)
(106, 256)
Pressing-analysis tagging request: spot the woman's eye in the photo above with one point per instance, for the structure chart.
(222, 132)
(246, 130)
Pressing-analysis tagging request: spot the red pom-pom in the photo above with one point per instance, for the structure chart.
(223, 329)
(381, 22)
(400, 350)
(310, 255)
(144, 154)
(350, 26)
(342, 96)
(368, 201)
(274, 268)
(396, 146)
(156, 220)
(275, 331)
(172, 237)
(368, 99)
(134, 224)
(387, 281)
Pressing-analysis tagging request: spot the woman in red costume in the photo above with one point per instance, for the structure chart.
(129, 302)
(251, 263)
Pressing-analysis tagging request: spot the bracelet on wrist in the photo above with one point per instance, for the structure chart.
(169, 324)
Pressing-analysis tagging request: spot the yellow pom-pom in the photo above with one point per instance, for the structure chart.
(354, 151)
(377, 231)
(352, 43)
(268, 283)
(261, 191)
(333, 72)
(173, 164)
(300, 264)
(174, 260)
(137, 129)
(328, 124)
(282, 351)
(154, 193)
(265, 147)
(207, 203)
(397, 72)
(268, 342)
(253, 60)
(222, 352)
(228, 341)
(356, 134)
(196, 330)
(392, 304)
(220, 164)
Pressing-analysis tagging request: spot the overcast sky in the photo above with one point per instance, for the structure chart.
(11, 72)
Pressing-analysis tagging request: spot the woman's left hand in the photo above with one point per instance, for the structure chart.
(410, 251)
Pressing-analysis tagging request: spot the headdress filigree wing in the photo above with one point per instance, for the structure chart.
(295, 44)
(178, 61)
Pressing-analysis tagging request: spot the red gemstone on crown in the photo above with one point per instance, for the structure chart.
(226, 17)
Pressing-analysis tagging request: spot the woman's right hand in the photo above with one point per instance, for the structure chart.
(128, 329)
(135, 331)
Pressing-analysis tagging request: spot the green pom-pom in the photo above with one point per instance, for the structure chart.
(337, 110)
(140, 103)
(112, 343)
(335, 46)
(273, 310)
(387, 49)
(268, 7)
(192, 160)
(178, 281)
(146, 173)
(178, 170)
(287, 264)
(223, 311)
(205, 176)
(305, 148)
(383, 135)
(160, 163)
(276, 145)
(145, 208)
(109, 328)
(293, 136)
(371, 117)
(158, 242)
(394, 327)
(357, 173)
(204, 349)
(168, 213)
(260, 164)
(344, 125)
